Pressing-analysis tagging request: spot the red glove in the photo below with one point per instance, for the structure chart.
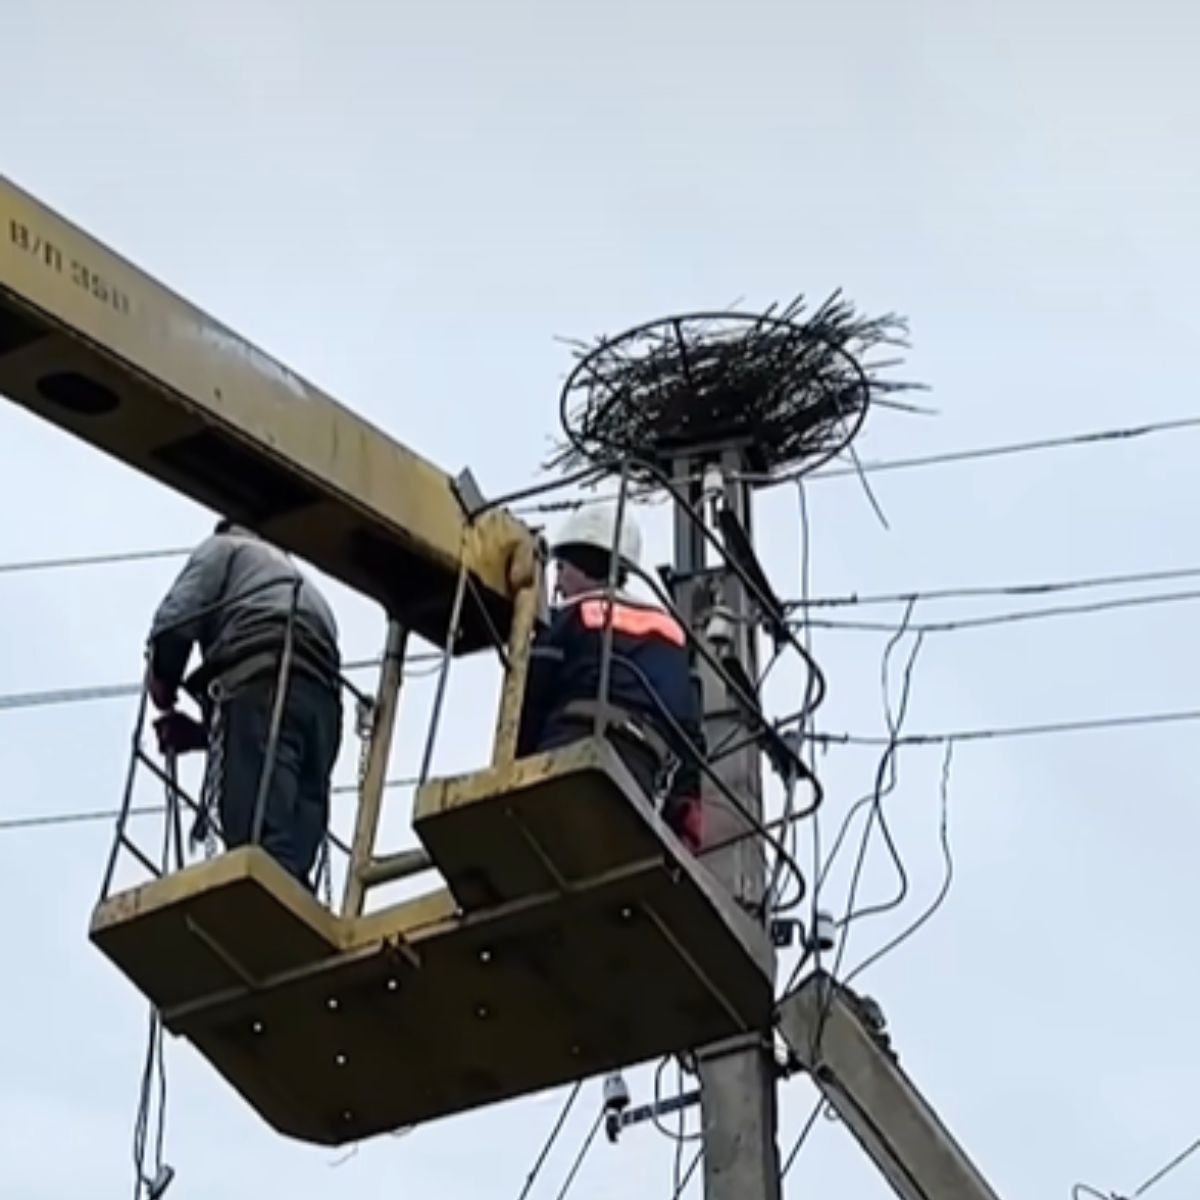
(685, 817)
(178, 734)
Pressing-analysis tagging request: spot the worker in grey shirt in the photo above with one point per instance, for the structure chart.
(233, 599)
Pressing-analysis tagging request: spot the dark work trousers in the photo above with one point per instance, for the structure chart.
(638, 758)
(681, 812)
(296, 808)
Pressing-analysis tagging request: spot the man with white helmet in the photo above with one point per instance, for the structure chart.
(652, 706)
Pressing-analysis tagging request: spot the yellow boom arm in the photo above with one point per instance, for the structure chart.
(100, 349)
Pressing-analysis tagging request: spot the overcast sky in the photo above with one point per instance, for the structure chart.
(406, 203)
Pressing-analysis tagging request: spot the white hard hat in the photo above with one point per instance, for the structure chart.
(595, 526)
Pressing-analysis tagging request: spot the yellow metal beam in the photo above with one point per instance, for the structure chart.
(97, 347)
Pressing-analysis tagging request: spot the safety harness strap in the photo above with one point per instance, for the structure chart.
(624, 720)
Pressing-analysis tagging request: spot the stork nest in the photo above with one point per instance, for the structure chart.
(791, 392)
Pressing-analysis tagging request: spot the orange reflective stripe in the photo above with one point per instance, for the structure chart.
(633, 620)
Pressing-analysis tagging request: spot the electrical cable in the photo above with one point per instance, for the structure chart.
(749, 703)
(53, 697)
(755, 824)
(681, 1186)
(90, 560)
(947, 878)
(977, 453)
(982, 452)
(1083, 1189)
(764, 602)
(887, 762)
(154, 1068)
(876, 814)
(1006, 732)
(583, 1153)
(970, 454)
(844, 830)
(798, 1144)
(985, 591)
(1007, 618)
(1161, 1174)
(665, 1062)
(807, 709)
(53, 820)
(885, 783)
(540, 1161)
(865, 483)
(677, 1165)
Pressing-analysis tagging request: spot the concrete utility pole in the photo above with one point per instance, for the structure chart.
(737, 1080)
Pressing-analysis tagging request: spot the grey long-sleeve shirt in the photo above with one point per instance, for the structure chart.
(234, 591)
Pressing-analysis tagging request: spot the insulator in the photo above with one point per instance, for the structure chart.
(616, 1092)
(825, 932)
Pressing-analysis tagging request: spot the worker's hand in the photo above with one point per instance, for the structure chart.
(178, 734)
(162, 694)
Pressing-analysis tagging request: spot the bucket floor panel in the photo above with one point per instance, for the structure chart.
(213, 926)
(482, 1010)
(562, 816)
(593, 952)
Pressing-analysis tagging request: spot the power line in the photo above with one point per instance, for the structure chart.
(583, 1152)
(1005, 589)
(943, 891)
(1013, 617)
(798, 1144)
(974, 454)
(681, 1186)
(51, 820)
(1010, 731)
(540, 1161)
(90, 560)
(1082, 1189)
(1177, 1161)
(87, 816)
(969, 454)
(12, 701)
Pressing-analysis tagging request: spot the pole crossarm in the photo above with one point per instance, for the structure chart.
(850, 1061)
(95, 346)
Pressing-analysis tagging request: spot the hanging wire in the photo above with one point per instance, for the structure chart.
(681, 1186)
(887, 764)
(895, 721)
(1173, 1165)
(974, 454)
(1084, 439)
(606, 646)
(583, 1153)
(154, 1070)
(452, 632)
(943, 890)
(798, 1144)
(989, 591)
(548, 1145)
(1083, 1189)
(681, 1137)
(807, 720)
(1012, 617)
(655, 1118)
